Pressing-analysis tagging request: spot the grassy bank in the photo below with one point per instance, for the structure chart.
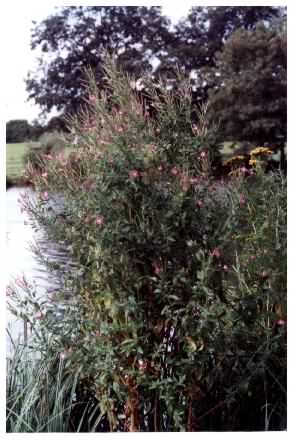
(15, 161)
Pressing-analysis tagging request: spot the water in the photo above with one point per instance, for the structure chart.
(18, 236)
(21, 261)
(19, 257)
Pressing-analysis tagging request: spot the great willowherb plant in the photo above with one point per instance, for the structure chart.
(168, 327)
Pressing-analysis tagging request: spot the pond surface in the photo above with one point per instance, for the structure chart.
(19, 257)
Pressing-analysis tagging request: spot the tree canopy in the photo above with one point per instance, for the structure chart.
(203, 45)
(17, 130)
(250, 97)
(205, 31)
(76, 38)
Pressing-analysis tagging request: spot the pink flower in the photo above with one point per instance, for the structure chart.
(158, 269)
(9, 291)
(19, 282)
(120, 129)
(281, 322)
(92, 98)
(242, 200)
(134, 174)
(203, 154)
(174, 171)
(193, 180)
(152, 148)
(199, 204)
(225, 268)
(44, 175)
(49, 156)
(60, 156)
(160, 168)
(99, 220)
(142, 365)
(88, 184)
(39, 315)
(244, 170)
(216, 253)
(45, 196)
(99, 155)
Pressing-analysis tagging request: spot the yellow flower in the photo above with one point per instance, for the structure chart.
(234, 159)
(236, 172)
(253, 162)
(260, 151)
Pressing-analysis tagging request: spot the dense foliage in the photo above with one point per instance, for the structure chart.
(20, 130)
(250, 97)
(204, 32)
(76, 37)
(141, 38)
(17, 130)
(173, 310)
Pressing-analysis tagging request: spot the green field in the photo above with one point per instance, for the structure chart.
(14, 158)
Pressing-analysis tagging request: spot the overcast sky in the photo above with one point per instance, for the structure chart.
(20, 59)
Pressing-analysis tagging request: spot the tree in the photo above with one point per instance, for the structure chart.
(36, 130)
(250, 97)
(77, 37)
(17, 130)
(203, 33)
(56, 123)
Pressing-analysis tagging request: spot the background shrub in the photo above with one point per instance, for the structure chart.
(49, 144)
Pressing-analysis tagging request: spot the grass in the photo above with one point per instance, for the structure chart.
(14, 159)
(41, 395)
(36, 400)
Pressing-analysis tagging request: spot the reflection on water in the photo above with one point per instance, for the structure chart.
(19, 257)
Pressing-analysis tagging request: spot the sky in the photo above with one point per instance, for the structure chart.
(21, 59)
